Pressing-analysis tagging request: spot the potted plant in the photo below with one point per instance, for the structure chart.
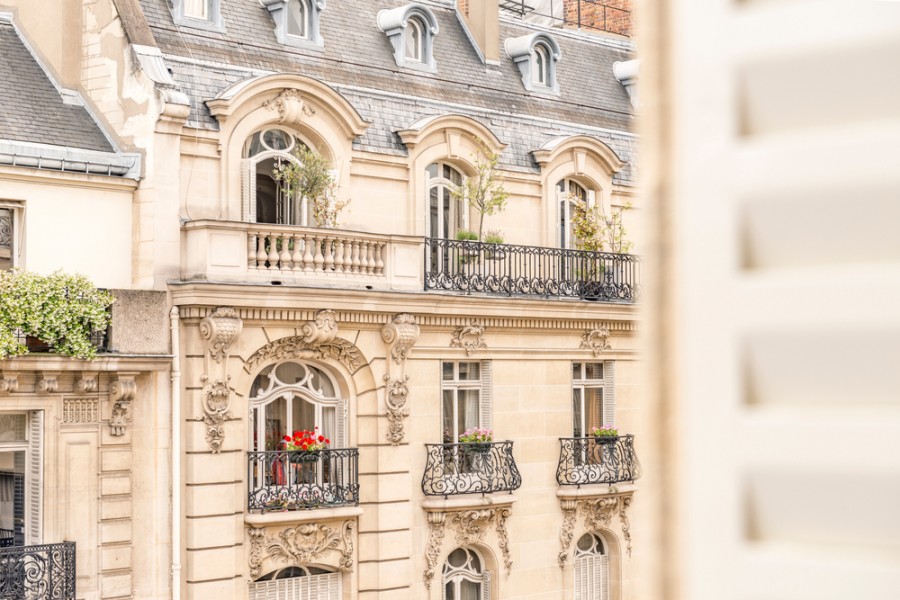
(494, 237)
(59, 310)
(477, 439)
(305, 446)
(467, 252)
(606, 434)
(312, 179)
(484, 191)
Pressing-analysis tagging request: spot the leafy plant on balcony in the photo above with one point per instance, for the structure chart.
(493, 236)
(484, 191)
(606, 431)
(61, 309)
(476, 435)
(311, 178)
(596, 231)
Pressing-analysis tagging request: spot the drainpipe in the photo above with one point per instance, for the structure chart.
(176, 458)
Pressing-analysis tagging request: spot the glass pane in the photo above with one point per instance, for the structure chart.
(432, 170)
(469, 371)
(455, 176)
(447, 172)
(576, 371)
(13, 427)
(276, 423)
(290, 373)
(12, 498)
(458, 558)
(450, 591)
(578, 413)
(412, 37)
(296, 22)
(276, 139)
(304, 415)
(445, 210)
(433, 212)
(594, 371)
(255, 145)
(328, 426)
(593, 405)
(321, 383)
(469, 410)
(448, 371)
(448, 434)
(469, 590)
(6, 238)
(196, 9)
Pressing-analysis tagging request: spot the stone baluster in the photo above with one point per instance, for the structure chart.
(297, 256)
(251, 250)
(285, 256)
(379, 259)
(329, 254)
(307, 252)
(273, 251)
(355, 259)
(320, 259)
(261, 254)
(339, 255)
(369, 262)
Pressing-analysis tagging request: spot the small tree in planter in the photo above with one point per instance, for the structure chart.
(312, 179)
(62, 310)
(597, 232)
(484, 191)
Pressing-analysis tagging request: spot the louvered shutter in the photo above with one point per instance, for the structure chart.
(486, 586)
(443, 590)
(35, 476)
(248, 190)
(609, 392)
(603, 562)
(326, 586)
(579, 580)
(341, 418)
(486, 404)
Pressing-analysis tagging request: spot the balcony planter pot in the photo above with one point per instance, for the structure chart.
(606, 439)
(298, 457)
(479, 447)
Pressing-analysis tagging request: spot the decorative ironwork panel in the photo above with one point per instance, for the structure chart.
(587, 460)
(467, 266)
(45, 572)
(297, 480)
(479, 468)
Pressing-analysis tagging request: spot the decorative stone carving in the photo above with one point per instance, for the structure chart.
(401, 334)
(435, 540)
(294, 347)
(569, 508)
(596, 340)
(81, 410)
(305, 543)
(598, 514)
(470, 527)
(46, 383)
(220, 329)
(216, 399)
(321, 330)
(86, 383)
(8, 383)
(122, 390)
(395, 396)
(503, 537)
(626, 523)
(469, 337)
(291, 106)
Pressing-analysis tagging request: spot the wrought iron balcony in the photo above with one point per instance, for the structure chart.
(296, 480)
(587, 460)
(45, 572)
(470, 469)
(469, 266)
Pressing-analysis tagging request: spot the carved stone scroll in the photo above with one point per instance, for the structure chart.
(8, 383)
(570, 509)
(596, 340)
(435, 540)
(291, 106)
(46, 382)
(626, 523)
(86, 383)
(306, 543)
(469, 337)
(122, 390)
(220, 329)
(395, 396)
(295, 347)
(470, 527)
(321, 330)
(216, 399)
(401, 334)
(598, 514)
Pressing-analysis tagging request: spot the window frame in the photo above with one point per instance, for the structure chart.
(249, 168)
(312, 9)
(16, 225)
(456, 575)
(395, 23)
(607, 398)
(597, 560)
(213, 21)
(523, 51)
(33, 447)
(448, 186)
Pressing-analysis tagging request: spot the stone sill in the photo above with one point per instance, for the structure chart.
(468, 502)
(302, 516)
(572, 492)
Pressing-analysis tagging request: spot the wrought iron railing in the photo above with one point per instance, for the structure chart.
(468, 266)
(470, 469)
(45, 572)
(296, 480)
(587, 460)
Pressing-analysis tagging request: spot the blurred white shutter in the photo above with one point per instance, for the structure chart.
(603, 565)
(779, 182)
(609, 392)
(326, 586)
(248, 190)
(579, 580)
(341, 417)
(35, 476)
(486, 586)
(486, 407)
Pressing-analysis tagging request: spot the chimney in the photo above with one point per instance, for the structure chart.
(613, 16)
(483, 20)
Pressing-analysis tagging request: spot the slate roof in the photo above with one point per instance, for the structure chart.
(357, 60)
(31, 108)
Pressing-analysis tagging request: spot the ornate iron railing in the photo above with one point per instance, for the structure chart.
(296, 480)
(470, 469)
(587, 460)
(468, 266)
(45, 572)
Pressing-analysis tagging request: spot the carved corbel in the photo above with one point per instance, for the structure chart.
(86, 383)
(624, 503)
(303, 544)
(400, 335)
(46, 382)
(395, 396)
(598, 513)
(570, 510)
(8, 383)
(596, 340)
(122, 390)
(469, 337)
(436, 523)
(220, 329)
(503, 538)
(321, 330)
(257, 542)
(291, 106)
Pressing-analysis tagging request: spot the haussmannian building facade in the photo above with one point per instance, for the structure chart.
(147, 160)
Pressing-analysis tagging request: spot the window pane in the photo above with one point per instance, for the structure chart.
(328, 429)
(593, 406)
(12, 428)
(433, 212)
(304, 415)
(450, 591)
(196, 9)
(594, 371)
(576, 371)
(447, 425)
(296, 22)
(276, 423)
(448, 371)
(469, 410)
(469, 371)
(6, 238)
(432, 170)
(469, 590)
(12, 498)
(578, 413)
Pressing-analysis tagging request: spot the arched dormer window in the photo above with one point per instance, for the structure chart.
(199, 14)
(411, 30)
(269, 200)
(465, 577)
(296, 21)
(591, 568)
(536, 56)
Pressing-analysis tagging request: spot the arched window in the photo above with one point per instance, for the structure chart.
(539, 72)
(298, 18)
(465, 577)
(269, 200)
(292, 396)
(297, 582)
(413, 37)
(570, 194)
(591, 569)
(446, 214)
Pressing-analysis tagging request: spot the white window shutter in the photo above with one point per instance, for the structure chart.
(248, 190)
(579, 580)
(35, 476)
(486, 401)
(443, 590)
(609, 392)
(604, 577)
(340, 425)
(591, 198)
(486, 586)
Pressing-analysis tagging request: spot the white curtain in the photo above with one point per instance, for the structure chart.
(197, 9)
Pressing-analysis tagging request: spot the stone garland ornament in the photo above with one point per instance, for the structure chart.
(294, 347)
(470, 527)
(570, 509)
(291, 106)
(626, 522)
(300, 545)
(220, 329)
(435, 540)
(596, 340)
(598, 514)
(469, 337)
(400, 334)
(122, 390)
(395, 396)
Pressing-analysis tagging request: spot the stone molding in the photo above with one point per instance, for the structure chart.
(80, 411)
(291, 106)
(596, 340)
(8, 383)
(86, 383)
(399, 334)
(46, 382)
(122, 390)
(597, 513)
(220, 329)
(300, 545)
(295, 347)
(469, 337)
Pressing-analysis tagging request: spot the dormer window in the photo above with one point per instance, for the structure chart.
(536, 56)
(411, 30)
(199, 14)
(296, 22)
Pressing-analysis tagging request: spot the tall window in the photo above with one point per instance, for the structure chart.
(269, 200)
(593, 402)
(465, 577)
(298, 18)
(569, 195)
(446, 214)
(413, 39)
(591, 569)
(466, 395)
(540, 75)
(292, 396)
(7, 238)
(20, 478)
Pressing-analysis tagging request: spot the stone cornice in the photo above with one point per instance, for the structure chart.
(103, 363)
